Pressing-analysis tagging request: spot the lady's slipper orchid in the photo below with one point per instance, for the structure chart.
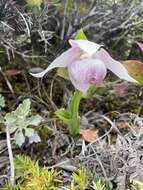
(87, 64)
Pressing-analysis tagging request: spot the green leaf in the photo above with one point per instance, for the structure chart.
(12, 128)
(19, 139)
(64, 115)
(29, 132)
(2, 101)
(10, 118)
(35, 120)
(34, 138)
(11, 121)
(23, 109)
(2, 119)
(34, 3)
(80, 35)
(71, 117)
(19, 122)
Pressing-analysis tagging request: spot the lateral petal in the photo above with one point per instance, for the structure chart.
(115, 66)
(63, 60)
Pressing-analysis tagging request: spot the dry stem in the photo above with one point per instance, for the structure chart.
(12, 170)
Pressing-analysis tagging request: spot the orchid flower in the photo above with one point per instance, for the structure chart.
(87, 64)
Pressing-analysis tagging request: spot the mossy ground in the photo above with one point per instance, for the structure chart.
(57, 149)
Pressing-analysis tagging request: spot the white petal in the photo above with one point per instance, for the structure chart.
(62, 61)
(87, 46)
(115, 66)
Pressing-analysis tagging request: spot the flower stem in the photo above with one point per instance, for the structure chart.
(70, 116)
(74, 125)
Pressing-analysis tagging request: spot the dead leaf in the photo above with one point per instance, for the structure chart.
(122, 125)
(125, 125)
(135, 130)
(135, 69)
(120, 89)
(2, 128)
(89, 135)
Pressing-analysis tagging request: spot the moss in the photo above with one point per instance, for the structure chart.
(31, 176)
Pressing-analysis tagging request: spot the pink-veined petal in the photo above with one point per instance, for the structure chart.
(62, 61)
(87, 46)
(115, 66)
(85, 72)
(140, 45)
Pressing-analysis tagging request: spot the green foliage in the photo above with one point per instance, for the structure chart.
(98, 185)
(19, 121)
(2, 104)
(10, 187)
(80, 35)
(32, 177)
(34, 3)
(64, 115)
(80, 178)
(139, 184)
(2, 101)
(1, 119)
(70, 116)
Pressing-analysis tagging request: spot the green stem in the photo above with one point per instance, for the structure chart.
(74, 125)
(71, 116)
